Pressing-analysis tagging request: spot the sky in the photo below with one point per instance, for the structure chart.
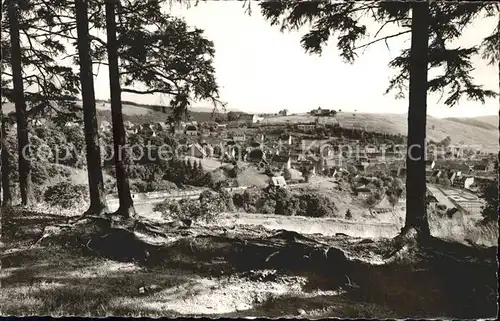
(262, 70)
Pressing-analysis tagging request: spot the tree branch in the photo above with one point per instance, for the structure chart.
(382, 39)
(146, 92)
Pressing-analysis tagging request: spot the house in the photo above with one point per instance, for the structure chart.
(327, 151)
(371, 150)
(196, 150)
(68, 124)
(277, 181)
(250, 119)
(191, 130)
(221, 126)
(362, 191)
(38, 121)
(287, 139)
(259, 138)
(469, 182)
(429, 165)
(322, 112)
(146, 127)
(296, 158)
(128, 124)
(162, 126)
(306, 127)
(178, 130)
(257, 119)
(436, 175)
(361, 167)
(105, 126)
(239, 137)
(383, 206)
(281, 161)
(451, 176)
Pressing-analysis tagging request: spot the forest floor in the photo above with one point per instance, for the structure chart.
(242, 270)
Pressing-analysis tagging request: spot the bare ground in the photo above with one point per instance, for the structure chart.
(215, 271)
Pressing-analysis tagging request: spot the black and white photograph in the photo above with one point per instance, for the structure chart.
(250, 159)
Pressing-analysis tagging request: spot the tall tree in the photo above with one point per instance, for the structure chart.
(416, 213)
(49, 87)
(25, 184)
(126, 204)
(94, 171)
(5, 159)
(444, 22)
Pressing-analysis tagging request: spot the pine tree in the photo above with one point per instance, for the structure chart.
(126, 204)
(25, 183)
(432, 26)
(93, 153)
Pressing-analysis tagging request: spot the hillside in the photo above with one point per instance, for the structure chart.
(471, 131)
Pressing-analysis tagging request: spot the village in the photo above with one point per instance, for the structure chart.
(351, 159)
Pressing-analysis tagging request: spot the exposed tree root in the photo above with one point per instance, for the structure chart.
(125, 212)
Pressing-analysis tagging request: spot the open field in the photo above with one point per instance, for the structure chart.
(471, 131)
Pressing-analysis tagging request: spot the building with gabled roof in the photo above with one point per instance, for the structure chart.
(278, 181)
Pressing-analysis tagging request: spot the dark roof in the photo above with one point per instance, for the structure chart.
(191, 127)
(255, 155)
(246, 117)
(480, 167)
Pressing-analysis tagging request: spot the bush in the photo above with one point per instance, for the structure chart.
(315, 205)
(348, 215)
(39, 173)
(207, 207)
(268, 206)
(65, 194)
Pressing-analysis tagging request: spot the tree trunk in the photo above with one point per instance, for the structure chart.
(126, 205)
(25, 184)
(5, 173)
(96, 183)
(416, 212)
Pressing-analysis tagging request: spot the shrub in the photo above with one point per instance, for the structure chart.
(227, 200)
(348, 215)
(65, 194)
(268, 206)
(39, 173)
(206, 208)
(315, 205)
(238, 200)
(489, 193)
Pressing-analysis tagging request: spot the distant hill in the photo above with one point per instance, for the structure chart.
(481, 130)
(471, 131)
